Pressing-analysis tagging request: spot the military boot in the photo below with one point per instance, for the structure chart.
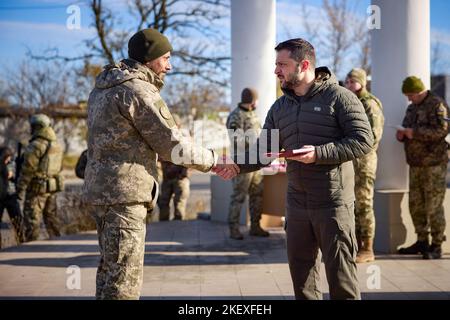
(434, 252)
(418, 247)
(235, 233)
(257, 231)
(365, 253)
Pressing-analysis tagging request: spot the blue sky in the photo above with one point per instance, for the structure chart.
(39, 25)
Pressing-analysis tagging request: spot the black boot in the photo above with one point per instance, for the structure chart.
(434, 252)
(416, 248)
(257, 231)
(235, 233)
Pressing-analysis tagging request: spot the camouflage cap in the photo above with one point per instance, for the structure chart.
(147, 45)
(412, 84)
(40, 119)
(359, 75)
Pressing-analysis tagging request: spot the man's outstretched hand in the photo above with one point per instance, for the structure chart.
(226, 168)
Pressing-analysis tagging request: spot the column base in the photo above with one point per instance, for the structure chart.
(394, 227)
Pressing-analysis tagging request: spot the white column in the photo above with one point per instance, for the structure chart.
(400, 48)
(252, 51)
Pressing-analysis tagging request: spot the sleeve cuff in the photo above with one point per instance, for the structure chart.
(216, 159)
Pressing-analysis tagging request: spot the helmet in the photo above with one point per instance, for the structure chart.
(40, 120)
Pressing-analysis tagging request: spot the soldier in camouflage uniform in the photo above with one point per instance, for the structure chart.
(175, 182)
(426, 154)
(243, 121)
(129, 125)
(365, 167)
(40, 179)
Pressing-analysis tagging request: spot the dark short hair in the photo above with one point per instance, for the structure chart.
(5, 152)
(300, 49)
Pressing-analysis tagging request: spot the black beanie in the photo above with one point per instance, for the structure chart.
(249, 96)
(147, 45)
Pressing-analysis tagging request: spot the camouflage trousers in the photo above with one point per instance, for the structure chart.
(36, 207)
(179, 189)
(365, 171)
(427, 188)
(121, 235)
(250, 184)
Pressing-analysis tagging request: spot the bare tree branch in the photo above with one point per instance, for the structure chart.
(40, 85)
(52, 54)
(311, 31)
(340, 34)
(439, 62)
(180, 19)
(100, 17)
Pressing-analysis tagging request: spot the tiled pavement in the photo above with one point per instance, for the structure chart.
(196, 260)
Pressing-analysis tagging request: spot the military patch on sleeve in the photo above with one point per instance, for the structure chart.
(165, 112)
(442, 111)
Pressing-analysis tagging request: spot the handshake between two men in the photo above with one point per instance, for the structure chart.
(226, 168)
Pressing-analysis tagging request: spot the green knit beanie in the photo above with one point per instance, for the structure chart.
(412, 84)
(359, 75)
(147, 45)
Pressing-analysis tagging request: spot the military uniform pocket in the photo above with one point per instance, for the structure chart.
(59, 183)
(125, 234)
(38, 186)
(345, 217)
(346, 223)
(51, 185)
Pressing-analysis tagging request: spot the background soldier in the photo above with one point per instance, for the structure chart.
(366, 167)
(175, 182)
(245, 119)
(8, 196)
(40, 178)
(129, 126)
(426, 153)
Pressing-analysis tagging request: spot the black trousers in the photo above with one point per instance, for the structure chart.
(11, 204)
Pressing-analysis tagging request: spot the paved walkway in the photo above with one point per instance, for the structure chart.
(196, 260)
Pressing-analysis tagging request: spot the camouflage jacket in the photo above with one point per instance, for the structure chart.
(42, 158)
(428, 147)
(374, 110)
(129, 125)
(245, 124)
